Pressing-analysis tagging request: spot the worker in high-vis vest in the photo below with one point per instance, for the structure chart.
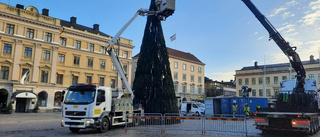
(234, 108)
(258, 108)
(246, 110)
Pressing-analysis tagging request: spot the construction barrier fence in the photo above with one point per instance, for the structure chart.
(175, 121)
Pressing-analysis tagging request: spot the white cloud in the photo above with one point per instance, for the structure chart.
(287, 14)
(310, 19)
(255, 33)
(292, 3)
(260, 38)
(277, 11)
(288, 28)
(225, 76)
(315, 5)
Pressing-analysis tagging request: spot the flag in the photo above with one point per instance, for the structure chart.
(173, 37)
(24, 77)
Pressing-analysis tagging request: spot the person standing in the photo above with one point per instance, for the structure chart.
(258, 108)
(234, 108)
(246, 110)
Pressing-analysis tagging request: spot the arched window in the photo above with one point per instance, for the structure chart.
(57, 99)
(42, 99)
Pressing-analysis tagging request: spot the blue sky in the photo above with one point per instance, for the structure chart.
(223, 34)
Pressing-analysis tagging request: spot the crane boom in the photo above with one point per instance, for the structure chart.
(283, 45)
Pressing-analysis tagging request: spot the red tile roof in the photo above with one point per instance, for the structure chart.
(180, 54)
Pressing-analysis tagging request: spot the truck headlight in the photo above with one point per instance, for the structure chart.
(88, 122)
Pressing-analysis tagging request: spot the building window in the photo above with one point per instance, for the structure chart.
(48, 37)
(284, 77)
(63, 41)
(199, 79)
(74, 79)
(59, 78)
(192, 78)
(267, 80)
(91, 47)
(176, 75)
(44, 76)
(260, 92)
(89, 79)
(90, 62)
(268, 93)
(57, 99)
(27, 52)
(76, 60)
(42, 99)
(240, 82)
(200, 90)
(113, 67)
(254, 93)
(7, 48)
(113, 83)
(78, 44)
(199, 69)
(30, 33)
(246, 81)
(253, 81)
(101, 81)
(184, 77)
(25, 70)
(125, 67)
(260, 81)
(10, 29)
(184, 66)
(276, 90)
(176, 87)
(61, 58)
(192, 68)
(192, 89)
(184, 88)
(275, 80)
(46, 54)
(4, 72)
(176, 65)
(125, 54)
(103, 50)
(102, 64)
(311, 76)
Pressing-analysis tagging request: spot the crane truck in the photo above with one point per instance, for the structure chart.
(297, 103)
(99, 107)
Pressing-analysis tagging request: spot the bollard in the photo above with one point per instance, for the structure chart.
(125, 131)
(163, 131)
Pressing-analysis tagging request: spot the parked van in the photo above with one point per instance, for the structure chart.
(192, 108)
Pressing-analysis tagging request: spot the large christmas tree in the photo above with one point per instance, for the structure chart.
(153, 85)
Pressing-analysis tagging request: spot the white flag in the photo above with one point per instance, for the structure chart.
(24, 77)
(173, 37)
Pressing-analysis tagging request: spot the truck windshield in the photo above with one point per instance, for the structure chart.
(200, 105)
(80, 97)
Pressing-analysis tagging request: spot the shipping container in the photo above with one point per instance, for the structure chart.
(224, 105)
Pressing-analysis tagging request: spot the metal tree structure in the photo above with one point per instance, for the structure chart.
(153, 85)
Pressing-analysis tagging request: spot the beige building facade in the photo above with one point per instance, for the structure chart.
(56, 54)
(257, 76)
(187, 75)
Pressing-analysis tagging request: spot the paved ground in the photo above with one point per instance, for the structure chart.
(48, 124)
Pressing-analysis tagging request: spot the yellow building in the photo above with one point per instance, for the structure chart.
(187, 75)
(56, 53)
(253, 77)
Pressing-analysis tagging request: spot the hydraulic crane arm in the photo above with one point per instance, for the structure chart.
(283, 45)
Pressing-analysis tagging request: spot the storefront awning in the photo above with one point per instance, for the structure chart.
(26, 95)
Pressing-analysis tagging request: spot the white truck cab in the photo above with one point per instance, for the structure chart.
(92, 106)
(192, 108)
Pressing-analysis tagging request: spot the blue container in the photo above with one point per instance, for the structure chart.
(221, 105)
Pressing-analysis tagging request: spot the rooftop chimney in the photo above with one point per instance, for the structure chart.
(255, 64)
(45, 12)
(19, 6)
(96, 27)
(312, 60)
(73, 20)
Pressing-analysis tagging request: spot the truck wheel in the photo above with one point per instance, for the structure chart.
(104, 125)
(74, 130)
(197, 114)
